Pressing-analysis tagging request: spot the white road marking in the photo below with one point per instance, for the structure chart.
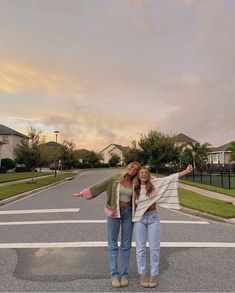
(104, 244)
(39, 211)
(87, 222)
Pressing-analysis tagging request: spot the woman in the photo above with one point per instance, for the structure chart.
(118, 209)
(147, 193)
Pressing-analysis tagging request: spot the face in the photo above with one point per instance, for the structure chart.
(133, 170)
(144, 176)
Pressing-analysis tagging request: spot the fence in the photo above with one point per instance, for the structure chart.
(223, 179)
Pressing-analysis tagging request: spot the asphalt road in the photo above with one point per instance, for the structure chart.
(53, 242)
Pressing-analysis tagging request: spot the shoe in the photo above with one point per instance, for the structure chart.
(124, 282)
(153, 281)
(144, 280)
(115, 283)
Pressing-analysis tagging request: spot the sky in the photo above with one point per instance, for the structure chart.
(108, 71)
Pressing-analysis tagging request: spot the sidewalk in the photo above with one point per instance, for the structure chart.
(24, 180)
(209, 193)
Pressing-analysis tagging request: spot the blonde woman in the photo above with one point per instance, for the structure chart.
(149, 192)
(118, 209)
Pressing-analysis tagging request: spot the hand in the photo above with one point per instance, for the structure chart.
(189, 169)
(76, 194)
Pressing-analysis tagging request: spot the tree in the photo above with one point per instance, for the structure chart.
(87, 157)
(28, 152)
(94, 158)
(157, 149)
(66, 154)
(114, 160)
(130, 155)
(195, 153)
(232, 149)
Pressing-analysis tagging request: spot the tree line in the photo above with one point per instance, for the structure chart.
(155, 149)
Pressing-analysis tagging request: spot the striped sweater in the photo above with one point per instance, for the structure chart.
(165, 194)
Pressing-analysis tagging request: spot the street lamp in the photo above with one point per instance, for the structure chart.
(56, 133)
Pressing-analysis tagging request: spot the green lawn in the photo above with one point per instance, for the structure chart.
(7, 177)
(205, 204)
(225, 191)
(10, 190)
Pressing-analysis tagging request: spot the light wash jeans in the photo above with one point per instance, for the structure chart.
(148, 228)
(113, 228)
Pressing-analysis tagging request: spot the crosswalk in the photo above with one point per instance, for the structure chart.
(84, 244)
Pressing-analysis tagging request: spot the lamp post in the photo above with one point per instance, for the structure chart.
(56, 133)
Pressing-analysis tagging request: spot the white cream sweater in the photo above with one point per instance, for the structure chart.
(165, 194)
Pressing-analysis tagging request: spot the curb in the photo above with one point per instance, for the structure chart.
(22, 195)
(207, 216)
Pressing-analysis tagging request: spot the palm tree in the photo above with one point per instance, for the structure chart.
(196, 152)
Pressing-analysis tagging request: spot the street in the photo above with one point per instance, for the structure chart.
(53, 242)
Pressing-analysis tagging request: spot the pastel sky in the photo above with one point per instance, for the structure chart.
(106, 71)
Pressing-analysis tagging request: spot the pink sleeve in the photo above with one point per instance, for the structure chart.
(86, 193)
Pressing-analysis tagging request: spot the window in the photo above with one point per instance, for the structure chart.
(5, 139)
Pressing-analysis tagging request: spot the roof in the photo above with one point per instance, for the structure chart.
(51, 144)
(4, 130)
(221, 148)
(120, 147)
(184, 138)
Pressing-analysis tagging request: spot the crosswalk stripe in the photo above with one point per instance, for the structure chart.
(87, 222)
(39, 211)
(104, 244)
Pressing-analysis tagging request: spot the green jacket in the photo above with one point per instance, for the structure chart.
(111, 186)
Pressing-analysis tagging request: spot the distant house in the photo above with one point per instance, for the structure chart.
(112, 149)
(183, 139)
(220, 155)
(9, 139)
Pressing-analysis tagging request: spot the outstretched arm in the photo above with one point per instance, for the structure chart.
(188, 170)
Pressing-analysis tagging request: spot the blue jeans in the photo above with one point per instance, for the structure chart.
(113, 227)
(148, 227)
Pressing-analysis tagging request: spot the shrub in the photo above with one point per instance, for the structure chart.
(3, 170)
(7, 163)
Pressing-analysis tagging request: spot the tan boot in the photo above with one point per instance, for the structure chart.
(115, 283)
(153, 281)
(144, 280)
(124, 282)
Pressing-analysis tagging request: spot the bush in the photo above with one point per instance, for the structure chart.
(7, 163)
(23, 169)
(101, 165)
(84, 165)
(3, 170)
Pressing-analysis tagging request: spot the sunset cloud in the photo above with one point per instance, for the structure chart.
(107, 72)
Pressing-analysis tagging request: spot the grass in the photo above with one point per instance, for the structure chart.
(195, 201)
(14, 189)
(8, 177)
(230, 192)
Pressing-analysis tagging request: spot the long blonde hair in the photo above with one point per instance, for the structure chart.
(137, 184)
(123, 175)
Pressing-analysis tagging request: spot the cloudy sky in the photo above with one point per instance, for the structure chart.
(106, 71)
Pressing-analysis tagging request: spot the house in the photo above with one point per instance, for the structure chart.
(9, 139)
(220, 155)
(181, 139)
(112, 149)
